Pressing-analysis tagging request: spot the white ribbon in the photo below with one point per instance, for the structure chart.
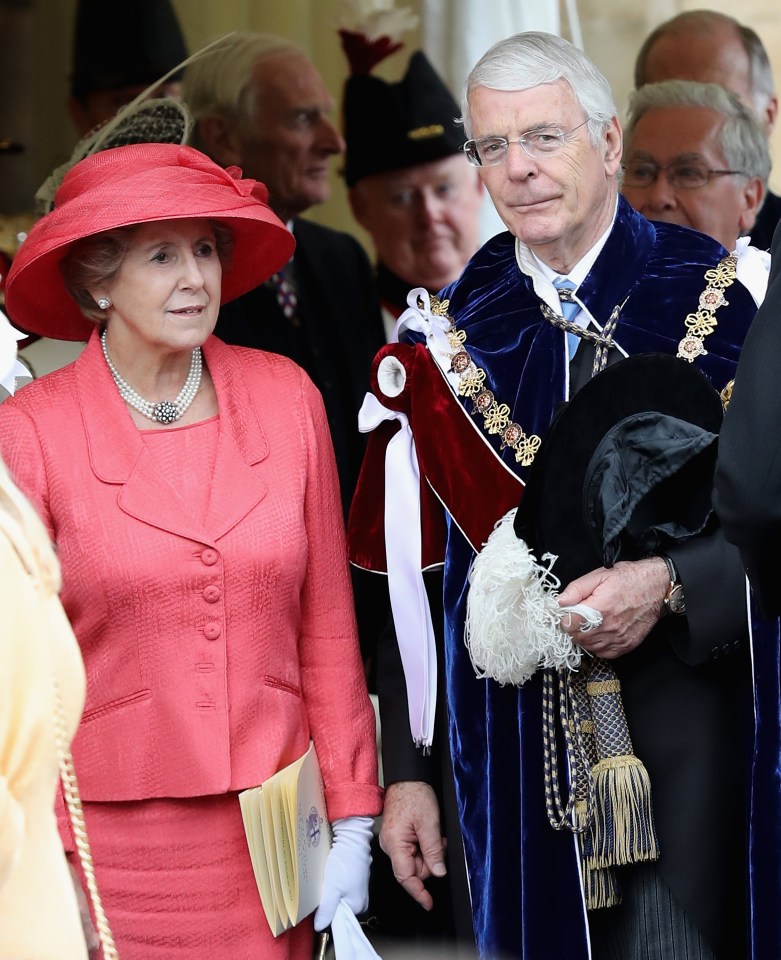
(350, 942)
(403, 546)
(434, 328)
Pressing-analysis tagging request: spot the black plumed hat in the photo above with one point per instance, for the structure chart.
(389, 126)
(126, 45)
(625, 468)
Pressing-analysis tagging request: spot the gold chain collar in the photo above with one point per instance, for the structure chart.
(703, 321)
(496, 416)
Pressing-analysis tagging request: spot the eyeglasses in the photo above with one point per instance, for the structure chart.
(537, 144)
(680, 174)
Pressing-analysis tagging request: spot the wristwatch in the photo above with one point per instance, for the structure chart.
(674, 601)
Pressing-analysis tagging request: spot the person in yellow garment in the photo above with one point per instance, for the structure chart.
(42, 668)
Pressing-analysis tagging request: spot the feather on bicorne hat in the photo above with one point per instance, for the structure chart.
(135, 184)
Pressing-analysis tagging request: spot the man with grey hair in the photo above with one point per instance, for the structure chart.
(259, 102)
(695, 156)
(477, 379)
(711, 47)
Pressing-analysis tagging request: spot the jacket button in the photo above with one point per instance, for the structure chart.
(210, 557)
(212, 630)
(211, 594)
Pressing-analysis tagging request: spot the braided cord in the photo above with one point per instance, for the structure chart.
(578, 812)
(70, 788)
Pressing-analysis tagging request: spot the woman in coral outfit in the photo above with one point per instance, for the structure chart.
(191, 492)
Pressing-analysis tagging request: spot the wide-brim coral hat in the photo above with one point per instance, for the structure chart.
(141, 183)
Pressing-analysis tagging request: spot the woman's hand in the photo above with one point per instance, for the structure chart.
(346, 875)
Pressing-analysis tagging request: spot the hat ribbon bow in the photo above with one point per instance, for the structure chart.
(243, 185)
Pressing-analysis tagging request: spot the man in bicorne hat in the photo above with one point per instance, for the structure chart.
(409, 185)
(458, 411)
(118, 51)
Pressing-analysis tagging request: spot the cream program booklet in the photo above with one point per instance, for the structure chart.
(289, 838)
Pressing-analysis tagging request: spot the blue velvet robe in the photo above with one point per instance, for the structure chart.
(764, 841)
(524, 876)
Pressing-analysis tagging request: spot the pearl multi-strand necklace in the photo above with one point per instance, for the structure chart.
(166, 411)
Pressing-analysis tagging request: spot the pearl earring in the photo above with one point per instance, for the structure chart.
(104, 303)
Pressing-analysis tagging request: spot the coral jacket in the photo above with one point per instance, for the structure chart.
(214, 649)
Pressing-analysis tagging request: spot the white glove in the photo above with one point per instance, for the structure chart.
(346, 874)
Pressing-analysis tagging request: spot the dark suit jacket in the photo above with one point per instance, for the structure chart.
(340, 329)
(769, 215)
(748, 470)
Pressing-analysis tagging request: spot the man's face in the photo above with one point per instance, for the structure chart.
(289, 144)
(725, 208)
(715, 56)
(423, 220)
(561, 205)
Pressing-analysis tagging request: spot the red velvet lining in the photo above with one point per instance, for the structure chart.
(463, 470)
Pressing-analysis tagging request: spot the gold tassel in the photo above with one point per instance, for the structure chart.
(624, 829)
(600, 887)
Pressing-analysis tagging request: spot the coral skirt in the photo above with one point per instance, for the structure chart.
(175, 879)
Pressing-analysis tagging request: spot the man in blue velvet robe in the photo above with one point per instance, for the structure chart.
(547, 141)
(747, 498)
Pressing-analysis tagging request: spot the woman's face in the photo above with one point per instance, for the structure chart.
(167, 291)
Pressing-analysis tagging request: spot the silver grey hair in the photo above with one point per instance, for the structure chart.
(530, 59)
(741, 139)
(220, 82)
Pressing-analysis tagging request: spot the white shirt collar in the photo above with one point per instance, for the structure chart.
(542, 275)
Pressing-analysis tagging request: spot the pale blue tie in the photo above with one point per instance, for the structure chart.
(569, 310)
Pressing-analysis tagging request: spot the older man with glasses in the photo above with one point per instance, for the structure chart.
(578, 282)
(712, 47)
(696, 156)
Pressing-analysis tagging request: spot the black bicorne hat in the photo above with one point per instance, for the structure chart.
(389, 126)
(625, 468)
(118, 46)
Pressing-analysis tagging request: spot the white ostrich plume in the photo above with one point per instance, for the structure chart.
(513, 619)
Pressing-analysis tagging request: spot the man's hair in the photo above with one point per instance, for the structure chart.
(741, 140)
(530, 59)
(703, 22)
(220, 81)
